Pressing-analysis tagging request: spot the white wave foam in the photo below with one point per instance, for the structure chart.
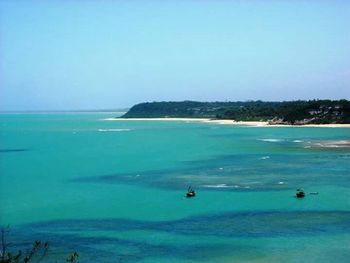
(271, 140)
(113, 130)
(297, 141)
(333, 144)
(218, 186)
(330, 144)
(264, 157)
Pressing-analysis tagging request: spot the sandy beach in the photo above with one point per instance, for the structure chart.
(231, 122)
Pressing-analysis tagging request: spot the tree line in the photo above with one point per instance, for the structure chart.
(286, 112)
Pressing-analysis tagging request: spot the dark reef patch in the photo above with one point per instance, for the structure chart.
(13, 150)
(70, 235)
(240, 173)
(107, 249)
(240, 224)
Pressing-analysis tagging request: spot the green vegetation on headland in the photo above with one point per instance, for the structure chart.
(286, 112)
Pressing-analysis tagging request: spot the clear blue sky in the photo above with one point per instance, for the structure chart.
(111, 54)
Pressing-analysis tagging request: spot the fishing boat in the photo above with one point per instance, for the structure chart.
(190, 192)
(300, 193)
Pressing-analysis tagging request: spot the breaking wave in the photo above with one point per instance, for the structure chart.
(113, 130)
(220, 186)
(271, 140)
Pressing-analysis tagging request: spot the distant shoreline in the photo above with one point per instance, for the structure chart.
(231, 122)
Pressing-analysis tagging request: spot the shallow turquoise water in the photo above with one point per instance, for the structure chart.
(114, 190)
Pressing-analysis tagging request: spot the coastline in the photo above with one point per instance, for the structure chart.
(232, 122)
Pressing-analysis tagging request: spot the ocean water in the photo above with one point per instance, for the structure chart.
(114, 190)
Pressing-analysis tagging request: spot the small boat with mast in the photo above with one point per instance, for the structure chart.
(300, 193)
(190, 192)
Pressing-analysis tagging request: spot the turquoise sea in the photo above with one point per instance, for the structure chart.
(114, 190)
